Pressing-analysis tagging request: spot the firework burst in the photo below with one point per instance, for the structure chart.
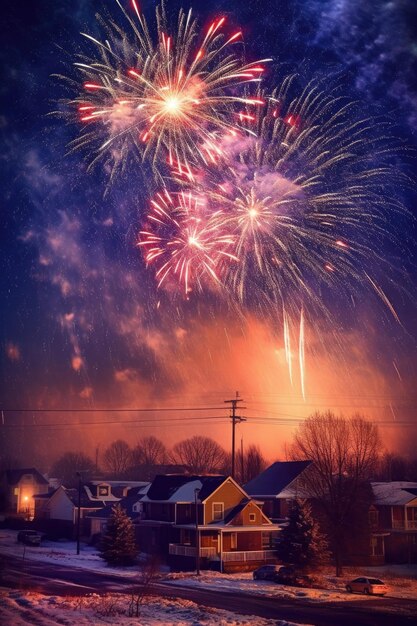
(168, 97)
(184, 241)
(306, 200)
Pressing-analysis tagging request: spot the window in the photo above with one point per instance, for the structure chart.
(266, 541)
(373, 518)
(252, 517)
(16, 491)
(377, 546)
(103, 490)
(218, 511)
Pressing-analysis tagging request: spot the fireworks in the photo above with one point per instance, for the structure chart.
(302, 199)
(166, 98)
(185, 242)
(276, 200)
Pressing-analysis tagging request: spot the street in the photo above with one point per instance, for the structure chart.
(63, 580)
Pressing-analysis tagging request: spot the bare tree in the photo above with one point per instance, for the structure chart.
(149, 451)
(143, 588)
(117, 457)
(200, 455)
(394, 467)
(345, 453)
(67, 466)
(249, 465)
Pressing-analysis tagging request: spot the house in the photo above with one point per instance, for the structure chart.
(131, 503)
(212, 512)
(19, 487)
(277, 486)
(393, 520)
(61, 505)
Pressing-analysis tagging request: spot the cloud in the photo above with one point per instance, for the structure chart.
(375, 39)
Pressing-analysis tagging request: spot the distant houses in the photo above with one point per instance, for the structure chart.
(19, 486)
(179, 517)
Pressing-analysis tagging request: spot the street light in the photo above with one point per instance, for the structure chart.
(197, 533)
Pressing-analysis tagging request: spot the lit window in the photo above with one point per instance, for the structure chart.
(218, 511)
(103, 490)
(233, 541)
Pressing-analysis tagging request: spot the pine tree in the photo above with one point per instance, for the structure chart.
(301, 542)
(118, 545)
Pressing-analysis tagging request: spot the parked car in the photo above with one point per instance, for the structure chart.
(287, 575)
(372, 586)
(266, 572)
(30, 537)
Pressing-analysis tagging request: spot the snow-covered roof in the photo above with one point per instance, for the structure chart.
(180, 488)
(398, 492)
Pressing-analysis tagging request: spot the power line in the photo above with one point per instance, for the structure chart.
(115, 410)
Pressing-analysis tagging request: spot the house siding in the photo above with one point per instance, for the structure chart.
(229, 494)
(244, 518)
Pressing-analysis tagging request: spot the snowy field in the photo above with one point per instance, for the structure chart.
(21, 609)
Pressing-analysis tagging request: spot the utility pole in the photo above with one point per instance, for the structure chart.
(78, 512)
(242, 477)
(197, 533)
(235, 419)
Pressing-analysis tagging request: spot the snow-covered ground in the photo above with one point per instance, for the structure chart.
(402, 579)
(20, 609)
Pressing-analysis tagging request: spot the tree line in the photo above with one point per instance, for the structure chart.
(196, 455)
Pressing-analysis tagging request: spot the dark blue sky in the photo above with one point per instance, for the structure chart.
(79, 324)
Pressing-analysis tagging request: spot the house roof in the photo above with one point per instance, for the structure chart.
(234, 512)
(44, 496)
(277, 477)
(85, 501)
(103, 513)
(180, 488)
(395, 492)
(13, 476)
(126, 503)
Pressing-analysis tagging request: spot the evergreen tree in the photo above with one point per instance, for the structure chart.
(301, 542)
(118, 545)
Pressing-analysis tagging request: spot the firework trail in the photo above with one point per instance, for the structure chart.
(184, 241)
(166, 97)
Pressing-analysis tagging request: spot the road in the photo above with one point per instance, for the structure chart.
(63, 580)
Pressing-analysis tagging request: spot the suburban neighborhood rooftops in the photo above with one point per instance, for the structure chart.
(393, 493)
(180, 488)
(276, 478)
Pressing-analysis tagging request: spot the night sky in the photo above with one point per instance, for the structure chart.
(80, 326)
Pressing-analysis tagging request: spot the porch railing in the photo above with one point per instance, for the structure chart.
(252, 555)
(179, 550)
